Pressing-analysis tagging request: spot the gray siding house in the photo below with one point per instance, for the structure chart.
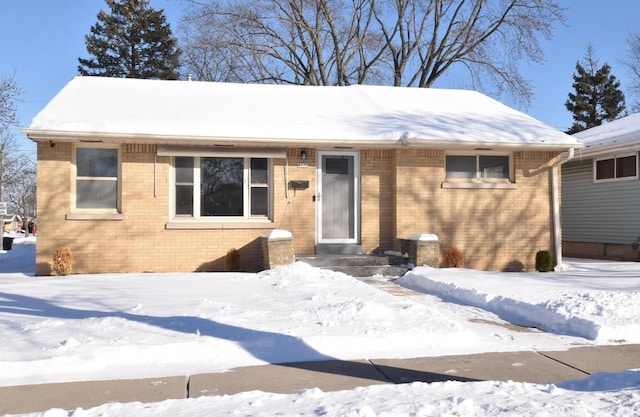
(600, 205)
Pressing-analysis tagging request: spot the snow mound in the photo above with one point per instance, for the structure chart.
(555, 302)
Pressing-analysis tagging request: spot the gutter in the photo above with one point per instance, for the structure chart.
(555, 202)
(607, 151)
(44, 135)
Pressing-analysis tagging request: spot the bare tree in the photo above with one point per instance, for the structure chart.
(10, 164)
(9, 98)
(632, 62)
(13, 166)
(394, 42)
(21, 193)
(291, 41)
(208, 55)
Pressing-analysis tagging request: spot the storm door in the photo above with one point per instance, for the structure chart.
(338, 208)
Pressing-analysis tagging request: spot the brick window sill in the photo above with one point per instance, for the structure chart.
(196, 224)
(95, 216)
(480, 185)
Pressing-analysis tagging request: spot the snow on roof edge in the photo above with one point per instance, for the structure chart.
(615, 134)
(361, 114)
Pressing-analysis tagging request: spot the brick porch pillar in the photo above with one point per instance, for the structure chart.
(277, 249)
(422, 249)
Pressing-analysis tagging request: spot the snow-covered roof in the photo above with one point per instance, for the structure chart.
(181, 112)
(610, 137)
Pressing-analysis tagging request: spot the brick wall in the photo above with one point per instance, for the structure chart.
(140, 242)
(295, 210)
(494, 229)
(378, 197)
(53, 196)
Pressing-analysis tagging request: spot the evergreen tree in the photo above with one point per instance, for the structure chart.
(134, 41)
(597, 96)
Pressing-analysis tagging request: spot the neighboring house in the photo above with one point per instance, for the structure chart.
(148, 175)
(12, 222)
(601, 193)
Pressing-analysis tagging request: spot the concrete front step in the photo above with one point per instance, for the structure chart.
(358, 265)
(351, 260)
(338, 249)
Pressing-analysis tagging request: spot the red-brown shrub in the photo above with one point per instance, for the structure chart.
(453, 258)
(62, 261)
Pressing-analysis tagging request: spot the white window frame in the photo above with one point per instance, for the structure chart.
(614, 157)
(246, 190)
(75, 177)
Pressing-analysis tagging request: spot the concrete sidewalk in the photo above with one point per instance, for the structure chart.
(535, 367)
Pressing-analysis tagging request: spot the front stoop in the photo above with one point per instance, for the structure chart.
(359, 265)
(338, 249)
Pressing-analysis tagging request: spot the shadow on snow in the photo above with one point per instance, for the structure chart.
(266, 346)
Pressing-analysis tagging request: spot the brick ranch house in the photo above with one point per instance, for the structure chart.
(149, 175)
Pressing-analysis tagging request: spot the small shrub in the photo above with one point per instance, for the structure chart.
(232, 260)
(544, 262)
(453, 258)
(62, 261)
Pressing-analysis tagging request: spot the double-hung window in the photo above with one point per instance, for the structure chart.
(96, 179)
(221, 187)
(624, 166)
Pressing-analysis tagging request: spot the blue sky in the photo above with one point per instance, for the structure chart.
(41, 41)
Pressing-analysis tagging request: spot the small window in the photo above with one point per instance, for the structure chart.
(96, 180)
(616, 167)
(461, 166)
(474, 167)
(184, 186)
(493, 166)
(221, 187)
(259, 187)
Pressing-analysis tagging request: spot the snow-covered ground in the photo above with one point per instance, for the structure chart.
(89, 327)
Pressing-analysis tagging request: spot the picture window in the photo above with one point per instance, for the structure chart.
(221, 187)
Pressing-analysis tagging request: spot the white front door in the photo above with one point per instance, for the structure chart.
(338, 199)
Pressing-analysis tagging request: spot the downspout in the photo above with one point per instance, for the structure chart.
(555, 197)
(286, 179)
(155, 174)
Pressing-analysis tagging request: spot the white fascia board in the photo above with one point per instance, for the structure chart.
(39, 135)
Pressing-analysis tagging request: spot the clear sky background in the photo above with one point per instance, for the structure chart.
(41, 41)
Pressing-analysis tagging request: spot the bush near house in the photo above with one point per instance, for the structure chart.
(232, 260)
(544, 262)
(62, 261)
(453, 258)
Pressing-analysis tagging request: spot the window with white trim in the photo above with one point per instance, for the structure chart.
(478, 167)
(96, 178)
(624, 166)
(221, 187)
